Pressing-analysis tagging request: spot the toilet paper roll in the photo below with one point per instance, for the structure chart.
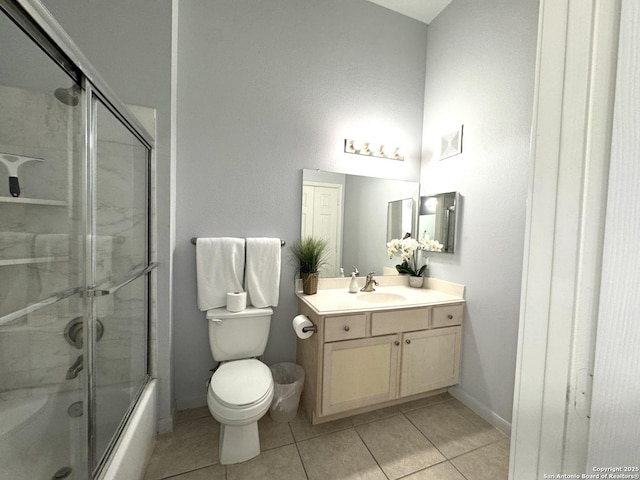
(299, 322)
(236, 301)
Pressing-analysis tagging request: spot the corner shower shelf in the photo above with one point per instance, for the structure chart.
(27, 261)
(33, 201)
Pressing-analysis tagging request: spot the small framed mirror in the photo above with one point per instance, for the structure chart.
(437, 219)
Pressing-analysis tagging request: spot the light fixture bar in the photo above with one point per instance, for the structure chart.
(372, 150)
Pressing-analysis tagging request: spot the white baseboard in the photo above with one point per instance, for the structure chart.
(489, 415)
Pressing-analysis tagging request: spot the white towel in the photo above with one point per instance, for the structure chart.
(219, 268)
(262, 278)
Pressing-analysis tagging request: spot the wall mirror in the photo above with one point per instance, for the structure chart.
(438, 214)
(351, 213)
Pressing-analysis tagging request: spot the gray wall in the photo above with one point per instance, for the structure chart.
(129, 44)
(264, 90)
(480, 73)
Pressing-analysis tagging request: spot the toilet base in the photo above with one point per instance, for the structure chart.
(239, 443)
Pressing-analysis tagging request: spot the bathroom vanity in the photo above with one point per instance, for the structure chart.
(381, 348)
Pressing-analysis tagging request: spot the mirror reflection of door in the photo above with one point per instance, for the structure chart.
(321, 218)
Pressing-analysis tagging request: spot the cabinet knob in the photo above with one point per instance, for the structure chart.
(346, 328)
(408, 341)
(396, 342)
(450, 317)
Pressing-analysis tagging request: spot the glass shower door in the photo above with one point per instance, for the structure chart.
(43, 421)
(74, 256)
(120, 272)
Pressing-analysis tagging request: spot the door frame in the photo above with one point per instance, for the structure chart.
(570, 150)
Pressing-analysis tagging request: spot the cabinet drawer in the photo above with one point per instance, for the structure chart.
(396, 321)
(447, 316)
(344, 327)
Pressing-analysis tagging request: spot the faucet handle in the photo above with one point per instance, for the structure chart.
(355, 270)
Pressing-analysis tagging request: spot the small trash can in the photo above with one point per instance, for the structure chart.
(288, 381)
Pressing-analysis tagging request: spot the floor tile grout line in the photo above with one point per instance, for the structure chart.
(477, 448)
(174, 475)
(426, 437)
(446, 460)
(470, 421)
(411, 409)
(301, 460)
(458, 470)
(371, 453)
(295, 443)
(399, 412)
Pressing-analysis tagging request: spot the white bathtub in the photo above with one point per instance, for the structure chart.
(131, 454)
(38, 437)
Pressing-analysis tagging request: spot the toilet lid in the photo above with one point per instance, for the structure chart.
(241, 382)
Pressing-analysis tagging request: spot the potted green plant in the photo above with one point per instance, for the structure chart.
(311, 255)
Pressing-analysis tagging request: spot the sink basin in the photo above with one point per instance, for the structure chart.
(380, 297)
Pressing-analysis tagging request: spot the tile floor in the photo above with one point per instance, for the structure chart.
(436, 438)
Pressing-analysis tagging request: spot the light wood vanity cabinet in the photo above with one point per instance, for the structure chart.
(358, 373)
(366, 360)
(430, 360)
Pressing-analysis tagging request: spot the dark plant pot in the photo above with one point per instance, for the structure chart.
(310, 283)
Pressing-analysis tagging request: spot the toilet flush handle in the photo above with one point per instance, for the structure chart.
(216, 320)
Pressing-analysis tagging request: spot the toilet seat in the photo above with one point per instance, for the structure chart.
(241, 383)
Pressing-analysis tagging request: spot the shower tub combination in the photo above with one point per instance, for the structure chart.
(77, 399)
(26, 453)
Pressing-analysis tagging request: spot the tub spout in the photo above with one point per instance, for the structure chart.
(74, 369)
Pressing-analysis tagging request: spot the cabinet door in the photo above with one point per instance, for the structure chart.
(430, 360)
(359, 373)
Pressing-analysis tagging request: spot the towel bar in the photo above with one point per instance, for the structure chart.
(194, 239)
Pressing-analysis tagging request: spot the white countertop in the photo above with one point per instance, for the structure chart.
(392, 293)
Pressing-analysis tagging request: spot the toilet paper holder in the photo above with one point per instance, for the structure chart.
(310, 328)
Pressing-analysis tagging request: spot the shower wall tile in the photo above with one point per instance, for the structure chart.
(14, 288)
(13, 345)
(16, 245)
(20, 106)
(33, 351)
(13, 217)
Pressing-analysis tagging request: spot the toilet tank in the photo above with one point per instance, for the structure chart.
(236, 335)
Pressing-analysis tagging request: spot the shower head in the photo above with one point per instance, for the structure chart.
(69, 96)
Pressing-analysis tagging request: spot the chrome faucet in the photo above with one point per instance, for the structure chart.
(368, 286)
(74, 369)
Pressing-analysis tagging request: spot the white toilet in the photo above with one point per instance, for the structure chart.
(241, 389)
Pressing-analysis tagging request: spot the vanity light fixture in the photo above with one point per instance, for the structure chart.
(372, 150)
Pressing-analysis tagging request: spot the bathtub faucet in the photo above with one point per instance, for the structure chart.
(74, 369)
